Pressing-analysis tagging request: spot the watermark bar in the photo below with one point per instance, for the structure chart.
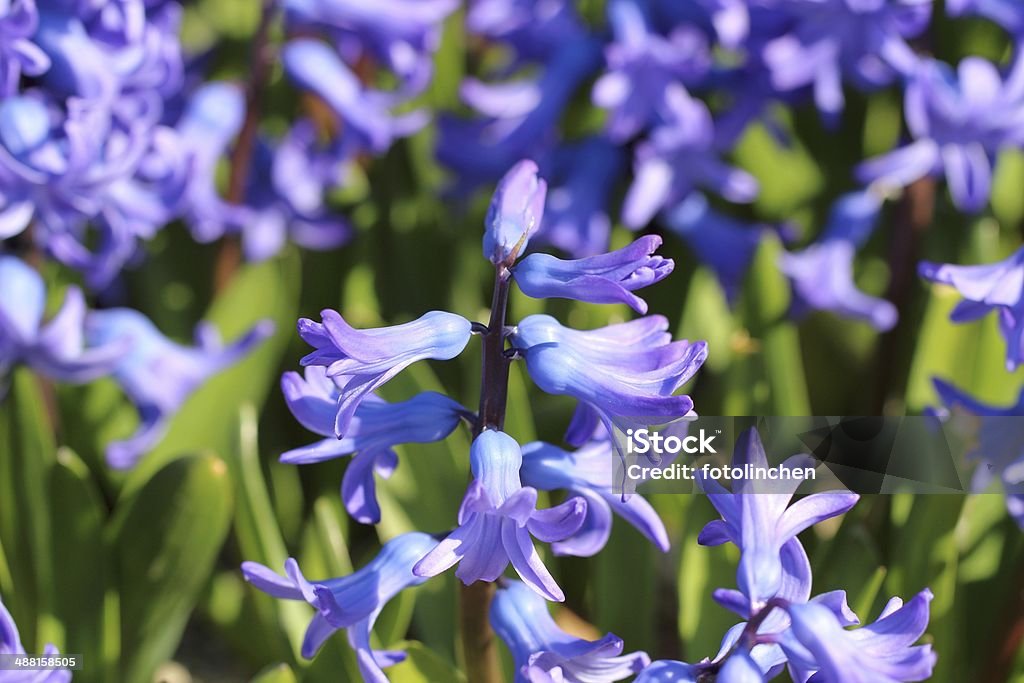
(52, 662)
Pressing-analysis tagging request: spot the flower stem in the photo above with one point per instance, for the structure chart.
(229, 258)
(479, 647)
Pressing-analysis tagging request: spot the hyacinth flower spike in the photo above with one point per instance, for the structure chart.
(496, 520)
(368, 359)
(542, 652)
(376, 428)
(351, 602)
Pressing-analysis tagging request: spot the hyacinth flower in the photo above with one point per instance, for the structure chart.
(678, 157)
(518, 119)
(57, 348)
(1000, 443)
(376, 428)
(10, 644)
(835, 39)
(533, 29)
(541, 651)
(284, 198)
(583, 177)
(314, 66)
(958, 123)
(209, 124)
(497, 518)
(157, 374)
(881, 652)
(351, 602)
(368, 359)
(724, 244)
(514, 214)
(1007, 13)
(624, 372)
(93, 187)
(641, 64)
(608, 278)
(727, 21)
(19, 20)
(758, 518)
(822, 273)
(587, 472)
(997, 287)
(401, 34)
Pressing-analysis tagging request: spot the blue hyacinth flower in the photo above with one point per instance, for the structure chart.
(822, 273)
(19, 20)
(608, 278)
(588, 472)
(758, 518)
(370, 358)
(350, 602)
(544, 653)
(626, 373)
(157, 374)
(496, 520)
(10, 644)
(994, 287)
(376, 428)
(515, 213)
(56, 348)
(1007, 13)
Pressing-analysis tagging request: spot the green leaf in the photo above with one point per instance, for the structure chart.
(27, 454)
(279, 673)
(422, 665)
(80, 560)
(207, 421)
(165, 540)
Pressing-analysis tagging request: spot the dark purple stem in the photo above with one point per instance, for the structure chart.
(479, 646)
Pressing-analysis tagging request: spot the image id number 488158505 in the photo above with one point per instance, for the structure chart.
(24, 662)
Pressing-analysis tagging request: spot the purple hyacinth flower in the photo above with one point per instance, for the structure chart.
(626, 373)
(1007, 13)
(1000, 443)
(401, 34)
(376, 428)
(881, 652)
(822, 273)
(368, 113)
(605, 279)
(985, 288)
(542, 652)
(350, 602)
(959, 122)
(589, 472)
(533, 29)
(519, 119)
(833, 39)
(56, 348)
(757, 517)
(19, 20)
(582, 177)
(641, 64)
(496, 520)
(10, 644)
(669, 671)
(679, 157)
(515, 213)
(368, 359)
(212, 119)
(157, 374)
(724, 244)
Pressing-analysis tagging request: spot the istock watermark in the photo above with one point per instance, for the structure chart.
(644, 441)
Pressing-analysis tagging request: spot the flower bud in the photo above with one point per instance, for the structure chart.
(515, 213)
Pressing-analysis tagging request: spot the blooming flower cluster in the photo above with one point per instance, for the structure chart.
(616, 372)
(783, 627)
(98, 151)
